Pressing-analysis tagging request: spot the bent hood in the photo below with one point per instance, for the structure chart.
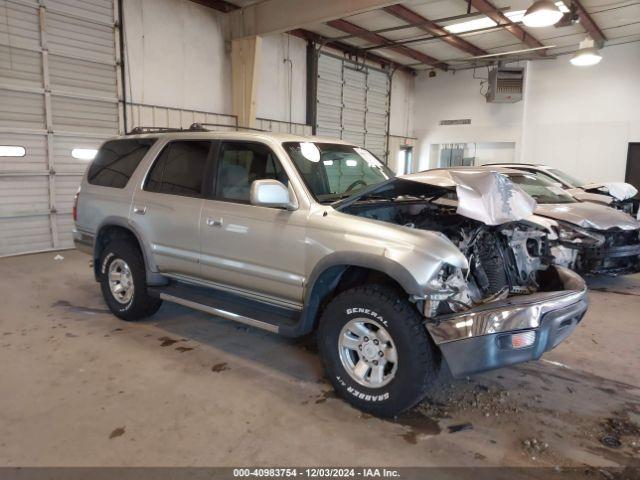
(483, 195)
(588, 215)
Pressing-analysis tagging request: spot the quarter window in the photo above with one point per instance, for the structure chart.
(116, 161)
(180, 169)
(240, 164)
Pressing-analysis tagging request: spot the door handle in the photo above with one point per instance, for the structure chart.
(214, 222)
(140, 210)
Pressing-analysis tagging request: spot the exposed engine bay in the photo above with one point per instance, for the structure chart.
(504, 260)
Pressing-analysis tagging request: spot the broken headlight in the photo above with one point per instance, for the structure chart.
(574, 234)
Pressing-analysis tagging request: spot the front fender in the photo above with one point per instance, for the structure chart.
(380, 263)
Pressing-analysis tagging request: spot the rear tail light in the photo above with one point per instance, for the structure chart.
(75, 206)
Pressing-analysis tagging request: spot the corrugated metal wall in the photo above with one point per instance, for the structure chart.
(58, 91)
(353, 102)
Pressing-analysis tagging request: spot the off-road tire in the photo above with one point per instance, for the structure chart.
(142, 304)
(418, 359)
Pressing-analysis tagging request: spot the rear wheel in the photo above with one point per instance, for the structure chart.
(123, 281)
(376, 350)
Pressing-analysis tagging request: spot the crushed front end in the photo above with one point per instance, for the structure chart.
(511, 303)
(513, 329)
(597, 252)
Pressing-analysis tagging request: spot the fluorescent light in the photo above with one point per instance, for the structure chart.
(587, 55)
(470, 25)
(542, 13)
(485, 22)
(12, 151)
(84, 153)
(351, 163)
(328, 163)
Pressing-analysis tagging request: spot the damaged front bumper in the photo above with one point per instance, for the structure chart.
(483, 338)
(586, 260)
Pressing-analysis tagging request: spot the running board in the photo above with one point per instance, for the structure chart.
(275, 319)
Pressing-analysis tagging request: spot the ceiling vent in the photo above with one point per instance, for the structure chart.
(505, 85)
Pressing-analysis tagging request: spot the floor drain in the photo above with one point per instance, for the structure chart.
(611, 442)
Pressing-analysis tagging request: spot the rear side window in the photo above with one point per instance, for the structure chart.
(116, 161)
(180, 169)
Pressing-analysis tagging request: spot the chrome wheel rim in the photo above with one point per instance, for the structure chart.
(120, 281)
(368, 353)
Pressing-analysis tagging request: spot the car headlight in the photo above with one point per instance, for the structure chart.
(573, 234)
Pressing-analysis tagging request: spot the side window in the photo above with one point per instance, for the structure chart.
(179, 169)
(240, 164)
(116, 161)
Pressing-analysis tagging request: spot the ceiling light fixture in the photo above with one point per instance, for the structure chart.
(542, 13)
(587, 54)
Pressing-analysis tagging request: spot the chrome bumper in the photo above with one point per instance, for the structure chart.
(83, 241)
(476, 340)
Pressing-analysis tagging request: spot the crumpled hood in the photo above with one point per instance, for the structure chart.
(618, 190)
(588, 215)
(483, 195)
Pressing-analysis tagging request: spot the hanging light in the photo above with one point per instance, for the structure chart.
(587, 54)
(542, 13)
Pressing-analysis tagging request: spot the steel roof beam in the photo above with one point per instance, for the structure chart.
(348, 49)
(490, 10)
(377, 39)
(411, 17)
(589, 24)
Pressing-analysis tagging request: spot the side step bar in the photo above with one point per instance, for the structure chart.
(272, 318)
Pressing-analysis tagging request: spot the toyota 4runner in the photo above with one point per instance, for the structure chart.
(296, 235)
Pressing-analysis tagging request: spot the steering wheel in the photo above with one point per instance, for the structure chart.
(355, 184)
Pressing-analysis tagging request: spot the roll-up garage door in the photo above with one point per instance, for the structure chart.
(58, 95)
(352, 103)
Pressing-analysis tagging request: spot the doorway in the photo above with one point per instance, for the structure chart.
(405, 160)
(632, 175)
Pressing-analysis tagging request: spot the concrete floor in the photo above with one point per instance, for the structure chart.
(78, 387)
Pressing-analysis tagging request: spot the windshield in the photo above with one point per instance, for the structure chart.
(334, 171)
(541, 190)
(566, 178)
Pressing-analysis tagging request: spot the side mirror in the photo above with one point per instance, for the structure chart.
(271, 193)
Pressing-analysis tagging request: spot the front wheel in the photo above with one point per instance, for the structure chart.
(123, 281)
(376, 350)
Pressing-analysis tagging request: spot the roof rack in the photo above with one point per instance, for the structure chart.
(202, 127)
(194, 127)
(139, 130)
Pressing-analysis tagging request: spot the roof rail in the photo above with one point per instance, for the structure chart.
(139, 130)
(194, 127)
(202, 127)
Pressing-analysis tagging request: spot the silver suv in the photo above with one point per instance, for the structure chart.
(296, 235)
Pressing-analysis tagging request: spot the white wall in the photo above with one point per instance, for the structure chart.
(582, 119)
(577, 119)
(283, 84)
(176, 55)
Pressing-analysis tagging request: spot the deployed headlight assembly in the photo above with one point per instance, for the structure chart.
(574, 234)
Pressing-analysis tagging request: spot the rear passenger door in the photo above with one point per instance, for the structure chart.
(167, 209)
(253, 248)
